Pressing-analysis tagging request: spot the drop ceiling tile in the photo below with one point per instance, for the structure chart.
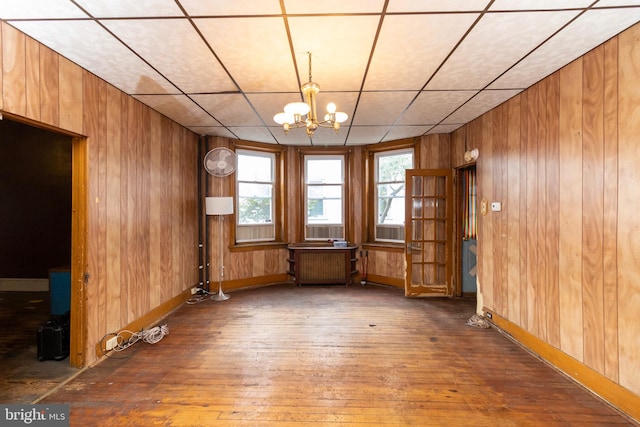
(212, 130)
(382, 108)
(231, 7)
(609, 3)
(362, 135)
(333, 6)
(340, 47)
(436, 5)
(128, 8)
(39, 9)
(179, 108)
(538, 4)
(589, 30)
(229, 109)
(113, 62)
(255, 51)
(175, 49)
(482, 102)
(253, 133)
(498, 41)
(411, 47)
(403, 132)
(328, 137)
(444, 128)
(431, 107)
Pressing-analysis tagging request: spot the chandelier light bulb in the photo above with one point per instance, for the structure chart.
(300, 108)
(331, 108)
(341, 117)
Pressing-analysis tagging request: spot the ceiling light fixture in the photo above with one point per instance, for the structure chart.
(295, 112)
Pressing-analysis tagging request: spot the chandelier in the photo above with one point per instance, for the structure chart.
(303, 114)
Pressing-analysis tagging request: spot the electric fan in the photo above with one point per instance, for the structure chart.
(220, 162)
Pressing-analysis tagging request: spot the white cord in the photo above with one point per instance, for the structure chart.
(151, 336)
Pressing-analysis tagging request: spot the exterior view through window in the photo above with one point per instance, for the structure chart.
(255, 189)
(390, 169)
(324, 197)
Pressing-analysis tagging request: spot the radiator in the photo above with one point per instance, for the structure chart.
(321, 266)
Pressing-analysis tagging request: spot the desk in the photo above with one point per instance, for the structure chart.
(322, 264)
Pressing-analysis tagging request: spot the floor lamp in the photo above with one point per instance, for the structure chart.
(220, 206)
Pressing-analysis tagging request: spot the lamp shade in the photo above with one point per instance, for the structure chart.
(219, 205)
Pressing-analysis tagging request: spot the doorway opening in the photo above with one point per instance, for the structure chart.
(466, 233)
(38, 227)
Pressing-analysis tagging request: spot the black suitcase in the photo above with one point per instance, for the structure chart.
(53, 339)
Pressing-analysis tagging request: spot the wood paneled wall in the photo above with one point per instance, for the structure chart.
(142, 239)
(561, 258)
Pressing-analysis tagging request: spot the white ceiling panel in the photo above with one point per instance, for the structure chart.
(212, 130)
(242, 61)
(125, 8)
(539, 4)
(339, 54)
(231, 7)
(403, 132)
(436, 5)
(411, 47)
(179, 108)
(113, 62)
(576, 39)
(532, 29)
(362, 135)
(39, 9)
(230, 109)
(174, 48)
(295, 7)
(235, 41)
(382, 108)
(431, 107)
(483, 101)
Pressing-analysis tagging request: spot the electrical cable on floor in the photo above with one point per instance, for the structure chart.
(126, 338)
(200, 296)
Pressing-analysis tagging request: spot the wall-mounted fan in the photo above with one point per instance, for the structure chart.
(220, 162)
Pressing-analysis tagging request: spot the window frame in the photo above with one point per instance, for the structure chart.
(342, 155)
(278, 201)
(371, 226)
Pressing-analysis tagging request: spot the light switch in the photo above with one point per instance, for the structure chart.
(496, 206)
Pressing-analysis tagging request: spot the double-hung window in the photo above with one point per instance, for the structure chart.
(255, 196)
(324, 194)
(389, 180)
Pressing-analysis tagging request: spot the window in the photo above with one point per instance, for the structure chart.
(389, 170)
(324, 197)
(255, 196)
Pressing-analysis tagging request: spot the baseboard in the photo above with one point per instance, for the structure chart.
(614, 394)
(383, 280)
(24, 285)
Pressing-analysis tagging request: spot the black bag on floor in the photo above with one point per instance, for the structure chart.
(53, 339)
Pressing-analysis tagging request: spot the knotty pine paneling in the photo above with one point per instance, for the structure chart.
(562, 156)
(142, 243)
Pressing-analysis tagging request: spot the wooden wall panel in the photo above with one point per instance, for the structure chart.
(1, 65)
(32, 82)
(571, 202)
(131, 273)
(458, 147)
(511, 205)
(70, 96)
(570, 211)
(592, 193)
(14, 91)
(49, 91)
(628, 244)
(610, 202)
(551, 213)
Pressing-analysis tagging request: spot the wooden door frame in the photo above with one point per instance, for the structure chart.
(79, 275)
(79, 213)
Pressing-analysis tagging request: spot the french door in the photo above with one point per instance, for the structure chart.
(428, 232)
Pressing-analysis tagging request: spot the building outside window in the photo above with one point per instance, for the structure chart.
(255, 191)
(324, 197)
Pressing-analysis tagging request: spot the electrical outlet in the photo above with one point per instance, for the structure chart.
(489, 315)
(111, 343)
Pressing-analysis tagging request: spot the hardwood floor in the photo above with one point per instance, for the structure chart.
(23, 378)
(328, 355)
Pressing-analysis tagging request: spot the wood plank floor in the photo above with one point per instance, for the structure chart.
(328, 355)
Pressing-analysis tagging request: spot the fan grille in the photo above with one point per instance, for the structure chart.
(220, 162)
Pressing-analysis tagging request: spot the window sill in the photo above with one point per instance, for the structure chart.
(257, 246)
(386, 246)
